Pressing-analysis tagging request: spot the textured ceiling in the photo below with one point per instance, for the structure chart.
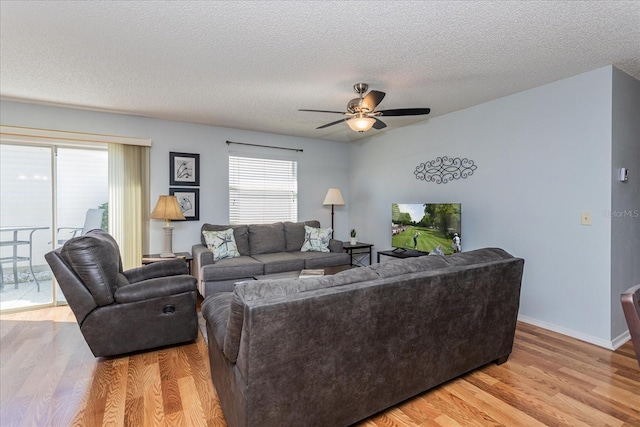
(252, 65)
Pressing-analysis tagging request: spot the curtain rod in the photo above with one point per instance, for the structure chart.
(266, 146)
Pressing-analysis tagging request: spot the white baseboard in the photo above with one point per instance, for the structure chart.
(610, 345)
(620, 340)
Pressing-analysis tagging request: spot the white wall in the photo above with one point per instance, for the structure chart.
(543, 156)
(321, 165)
(625, 202)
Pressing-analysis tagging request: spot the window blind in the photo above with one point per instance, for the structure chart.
(262, 190)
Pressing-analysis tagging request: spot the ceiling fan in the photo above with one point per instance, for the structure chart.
(361, 115)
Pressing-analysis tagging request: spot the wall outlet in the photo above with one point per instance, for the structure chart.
(585, 218)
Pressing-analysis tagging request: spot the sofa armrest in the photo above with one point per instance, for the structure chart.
(172, 267)
(201, 256)
(336, 246)
(155, 288)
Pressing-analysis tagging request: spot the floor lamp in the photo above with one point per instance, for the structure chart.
(167, 208)
(333, 198)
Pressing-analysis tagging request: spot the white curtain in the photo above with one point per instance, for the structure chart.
(129, 201)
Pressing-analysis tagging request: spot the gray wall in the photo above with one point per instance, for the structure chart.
(321, 165)
(543, 157)
(625, 197)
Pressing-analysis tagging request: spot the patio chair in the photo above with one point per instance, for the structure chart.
(630, 300)
(92, 221)
(124, 311)
(15, 256)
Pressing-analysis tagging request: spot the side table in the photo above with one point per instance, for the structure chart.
(361, 250)
(150, 259)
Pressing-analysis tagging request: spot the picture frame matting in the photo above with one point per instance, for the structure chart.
(189, 202)
(184, 169)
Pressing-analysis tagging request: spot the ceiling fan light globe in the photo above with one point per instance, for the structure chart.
(361, 124)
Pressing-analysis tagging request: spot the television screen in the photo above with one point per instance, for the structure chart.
(426, 227)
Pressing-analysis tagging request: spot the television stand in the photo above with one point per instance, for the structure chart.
(401, 253)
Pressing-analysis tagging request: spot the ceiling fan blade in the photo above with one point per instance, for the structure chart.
(372, 99)
(405, 112)
(323, 111)
(379, 124)
(331, 124)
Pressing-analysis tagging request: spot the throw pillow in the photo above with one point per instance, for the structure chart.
(221, 243)
(316, 239)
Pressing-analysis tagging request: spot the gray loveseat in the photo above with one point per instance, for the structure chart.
(264, 249)
(334, 350)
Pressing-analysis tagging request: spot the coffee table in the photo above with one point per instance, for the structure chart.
(294, 274)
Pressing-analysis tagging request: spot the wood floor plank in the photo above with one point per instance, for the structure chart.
(153, 401)
(116, 393)
(191, 402)
(496, 409)
(590, 415)
(48, 377)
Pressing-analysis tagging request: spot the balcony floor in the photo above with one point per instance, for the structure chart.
(26, 295)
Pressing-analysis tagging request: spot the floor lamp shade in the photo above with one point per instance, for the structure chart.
(167, 209)
(333, 198)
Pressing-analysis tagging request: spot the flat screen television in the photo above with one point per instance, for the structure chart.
(426, 227)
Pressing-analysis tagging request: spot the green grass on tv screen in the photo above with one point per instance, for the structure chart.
(427, 239)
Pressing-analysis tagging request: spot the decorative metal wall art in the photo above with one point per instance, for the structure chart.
(444, 169)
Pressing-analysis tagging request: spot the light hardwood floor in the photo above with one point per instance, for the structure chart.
(49, 377)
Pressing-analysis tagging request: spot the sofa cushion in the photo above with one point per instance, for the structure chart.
(354, 275)
(478, 256)
(396, 267)
(316, 239)
(240, 234)
(294, 233)
(266, 238)
(322, 259)
(232, 268)
(221, 243)
(280, 261)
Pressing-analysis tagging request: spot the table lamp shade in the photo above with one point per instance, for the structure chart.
(167, 208)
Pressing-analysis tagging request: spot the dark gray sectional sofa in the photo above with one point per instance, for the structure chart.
(334, 350)
(264, 249)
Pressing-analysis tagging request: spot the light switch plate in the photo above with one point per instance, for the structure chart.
(585, 218)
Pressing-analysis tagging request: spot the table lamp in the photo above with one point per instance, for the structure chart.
(167, 208)
(333, 197)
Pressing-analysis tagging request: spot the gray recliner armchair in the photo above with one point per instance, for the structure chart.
(124, 311)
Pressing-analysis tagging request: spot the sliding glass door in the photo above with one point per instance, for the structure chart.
(33, 180)
(26, 194)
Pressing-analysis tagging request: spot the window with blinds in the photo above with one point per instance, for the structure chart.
(262, 190)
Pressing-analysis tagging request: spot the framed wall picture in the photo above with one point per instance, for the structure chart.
(189, 201)
(184, 169)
